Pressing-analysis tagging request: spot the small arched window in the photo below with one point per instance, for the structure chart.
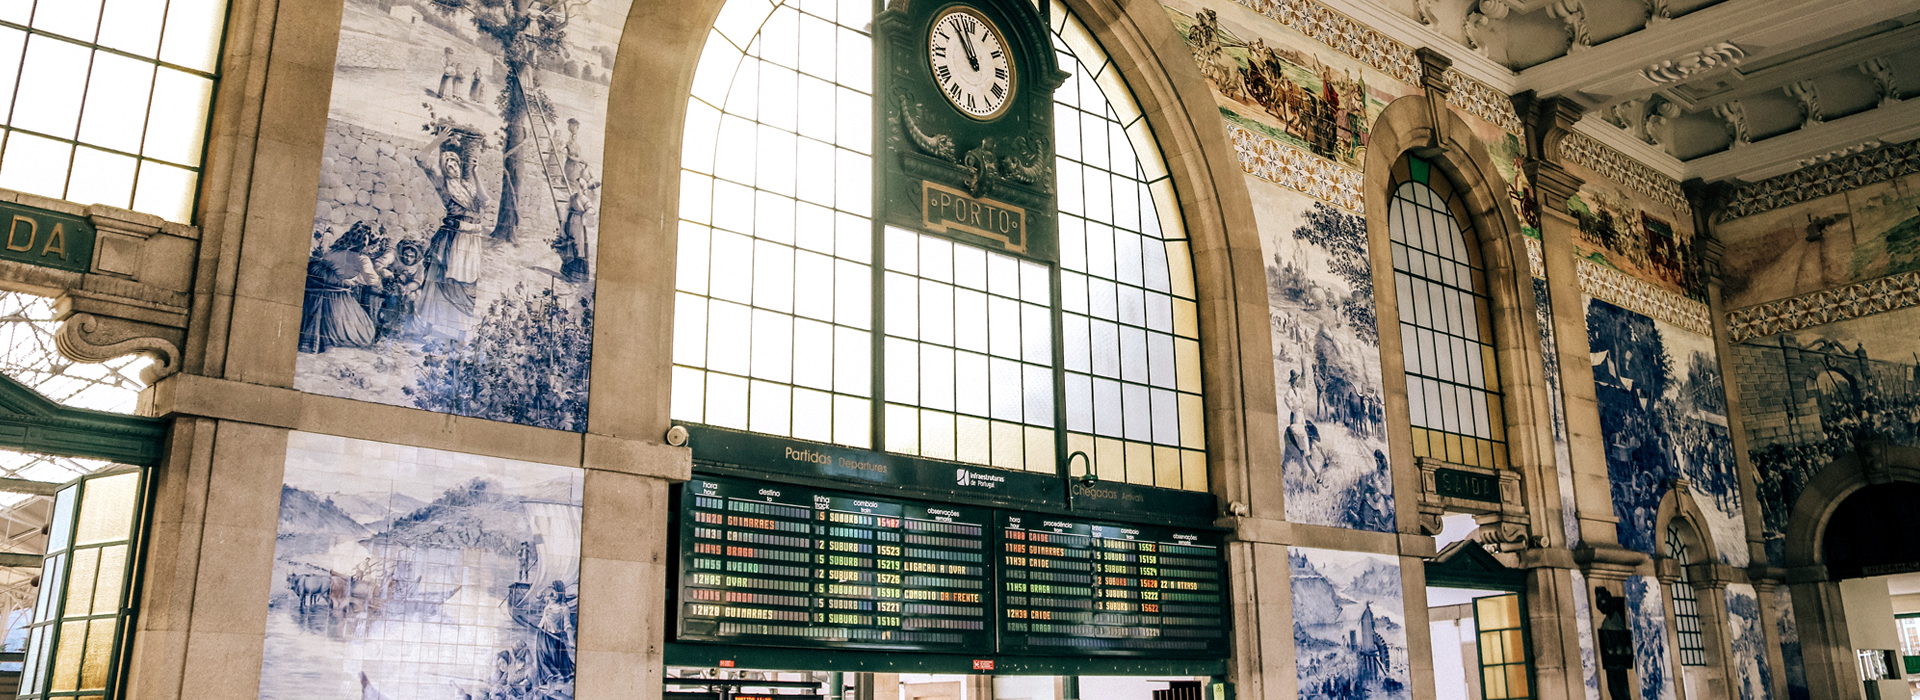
(1446, 333)
(1686, 602)
(795, 317)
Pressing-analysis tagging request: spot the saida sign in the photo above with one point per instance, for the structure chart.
(48, 239)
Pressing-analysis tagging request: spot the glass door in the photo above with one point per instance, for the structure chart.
(1505, 673)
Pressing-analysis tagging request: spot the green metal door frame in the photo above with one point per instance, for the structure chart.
(1467, 564)
(31, 422)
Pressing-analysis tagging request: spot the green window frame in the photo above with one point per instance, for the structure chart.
(797, 316)
(1446, 330)
(80, 633)
(1506, 670)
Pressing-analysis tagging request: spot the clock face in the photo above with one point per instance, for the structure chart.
(971, 63)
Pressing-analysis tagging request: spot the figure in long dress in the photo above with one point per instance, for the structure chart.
(556, 636)
(332, 317)
(453, 254)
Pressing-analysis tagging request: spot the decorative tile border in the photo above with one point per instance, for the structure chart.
(1296, 169)
(1327, 26)
(1601, 158)
(1834, 176)
(1481, 100)
(1881, 295)
(1536, 260)
(1641, 297)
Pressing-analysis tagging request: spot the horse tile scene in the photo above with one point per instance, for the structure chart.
(405, 572)
(1326, 363)
(456, 222)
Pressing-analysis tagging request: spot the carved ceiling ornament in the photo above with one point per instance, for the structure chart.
(1734, 116)
(1658, 129)
(1725, 54)
(1880, 70)
(1480, 19)
(1574, 14)
(1423, 9)
(1807, 94)
(1657, 11)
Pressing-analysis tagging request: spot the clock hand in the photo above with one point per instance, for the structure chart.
(966, 44)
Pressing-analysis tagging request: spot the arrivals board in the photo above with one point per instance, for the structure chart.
(782, 565)
(1072, 587)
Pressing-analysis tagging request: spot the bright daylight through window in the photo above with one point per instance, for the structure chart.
(106, 100)
(779, 305)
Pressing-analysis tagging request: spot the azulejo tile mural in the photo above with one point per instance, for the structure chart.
(1557, 409)
(1295, 169)
(1811, 394)
(1276, 81)
(1663, 410)
(1349, 625)
(1790, 655)
(1827, 178)
(405, 573)
(1647, 616)
(1642, 297)
(1326, 363)
(1858, 236)
(1752, 675)
(1583, 622)
(1616, 166)
(455, 227)
(1889, 293)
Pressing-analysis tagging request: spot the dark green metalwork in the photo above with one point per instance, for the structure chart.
(986, 182)
(710, 655)
(30, 422)
(1467, 564)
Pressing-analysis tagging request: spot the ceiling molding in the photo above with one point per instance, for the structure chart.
(1782, 154)
(1614, 137)
(1381, 18)
(1834, 59)
(1612, 69)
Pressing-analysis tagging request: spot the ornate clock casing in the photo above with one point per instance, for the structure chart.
(980, 173)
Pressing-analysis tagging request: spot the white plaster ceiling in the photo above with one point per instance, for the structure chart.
(1673, 82)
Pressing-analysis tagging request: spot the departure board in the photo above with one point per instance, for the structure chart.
(1073, 587)
(782, 565)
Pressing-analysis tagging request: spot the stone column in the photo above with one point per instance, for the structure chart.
(1765, 589)
(1262, 602)
(625, 553)
(1606, 563)
(1832, 670)
(1709, 250)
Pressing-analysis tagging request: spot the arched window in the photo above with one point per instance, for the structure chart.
(111, 100)
(1686, 602)
(1446, 334)
(795, 317)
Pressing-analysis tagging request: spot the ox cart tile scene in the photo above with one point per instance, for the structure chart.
(405, 573)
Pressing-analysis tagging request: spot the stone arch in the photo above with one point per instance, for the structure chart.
(1817, 606)
(1407, 125)
(657, 56)
(1678, 503)
(1868, 465)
